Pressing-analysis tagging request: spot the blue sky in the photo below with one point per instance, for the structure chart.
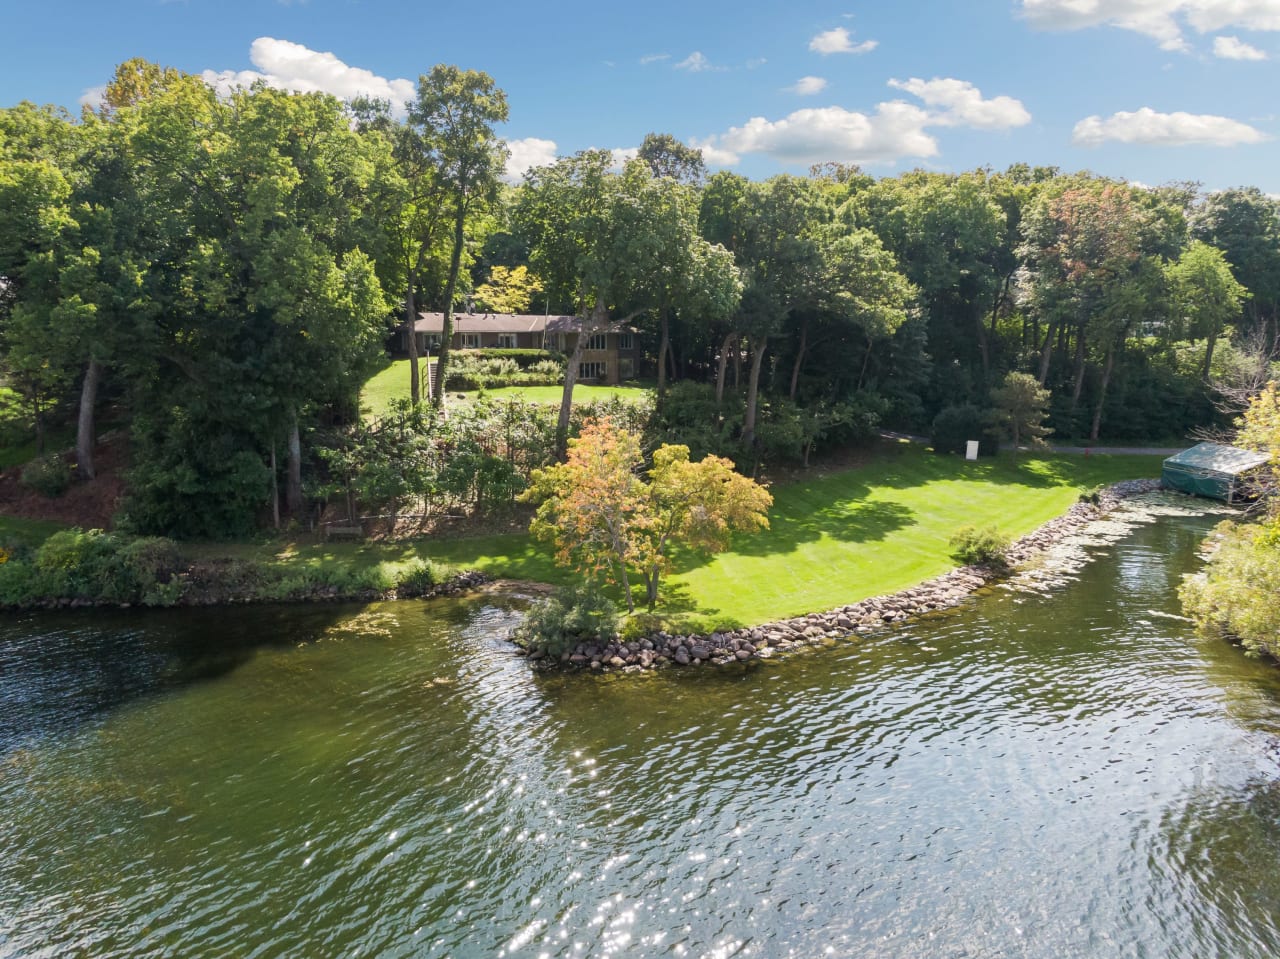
(1149, 90)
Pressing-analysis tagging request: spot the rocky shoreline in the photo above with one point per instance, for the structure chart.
(826, 629)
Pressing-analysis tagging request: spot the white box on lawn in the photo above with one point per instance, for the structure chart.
(971, 450)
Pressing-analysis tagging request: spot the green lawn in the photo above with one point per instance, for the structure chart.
(882, 528)
(833, 539)
(392, 382)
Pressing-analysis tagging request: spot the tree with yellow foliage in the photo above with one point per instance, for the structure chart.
(604, 518)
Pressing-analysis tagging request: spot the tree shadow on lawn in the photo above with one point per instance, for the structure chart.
(845, 521)
(680, 610)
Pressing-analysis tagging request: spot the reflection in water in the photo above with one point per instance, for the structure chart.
(1028, 776)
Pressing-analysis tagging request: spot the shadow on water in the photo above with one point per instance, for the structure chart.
(58, 670)
(1220, 848)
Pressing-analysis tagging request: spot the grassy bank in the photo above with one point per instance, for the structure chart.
(834, 538)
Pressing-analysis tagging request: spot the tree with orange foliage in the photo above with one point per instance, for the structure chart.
(603, 518)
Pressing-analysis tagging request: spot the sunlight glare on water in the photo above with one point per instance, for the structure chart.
(1033, 776)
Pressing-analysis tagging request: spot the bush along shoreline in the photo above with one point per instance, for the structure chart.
(75, 569)
(662, 649)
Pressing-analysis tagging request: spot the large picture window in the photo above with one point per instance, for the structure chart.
(592, 370)
(626, 341)
(507, 341)
(597, 341)
(471, 341)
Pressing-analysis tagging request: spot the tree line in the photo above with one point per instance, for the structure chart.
(224, 273)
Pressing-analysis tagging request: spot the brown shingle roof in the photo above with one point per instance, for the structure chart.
(495, 323)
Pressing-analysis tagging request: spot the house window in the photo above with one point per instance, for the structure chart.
(552, 341)
(471, 341)
(591, 370)
(597, 341)
(626, 341)
(506, 341)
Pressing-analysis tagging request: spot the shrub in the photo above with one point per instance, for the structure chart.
(333, 582)
(420, 576)
(48, 475)
(1234, 595)
(1093, 495)
(642, 626)
(956, 425)
(21, 584)
(573, 615)
(82, 563)
(108, 568)
(489, 369)
(979, 547)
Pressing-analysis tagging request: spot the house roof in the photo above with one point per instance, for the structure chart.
(506, 323)
(495, 323)
(1216, 458)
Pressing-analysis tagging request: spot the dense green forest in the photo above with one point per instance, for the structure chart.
(223, 275)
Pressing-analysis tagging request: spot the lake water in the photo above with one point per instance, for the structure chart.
(1029, 776)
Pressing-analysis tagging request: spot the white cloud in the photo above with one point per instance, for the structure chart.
(621, 155)
(839, 41)
(291, 66)
(654, 58)
(1233, 48)
(1159, 19)
(1146, 127)
(896, 130)
(92, 97)
(961, 104)
(526, 154)
(713, 155)
(696, 63)
(807, 86)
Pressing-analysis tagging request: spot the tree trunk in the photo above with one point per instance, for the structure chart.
(758, 345)
(450, 287)
(293, 482)
(410, 320)
(1001, 295)
(651, 589)
(275, 489)
(1046, 351)
(723, 366)
(1079, 378)
(626, 587)
(37, 415)
(84, 428)
(1102, 393)
(663, 346)
(795, 369)
(598, 314)
(984, 347)
(866, 359)
(1208, 354)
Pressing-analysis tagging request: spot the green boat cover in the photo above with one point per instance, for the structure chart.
(1210, 469)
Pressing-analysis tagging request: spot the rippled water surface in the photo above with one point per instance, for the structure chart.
(1070, 775)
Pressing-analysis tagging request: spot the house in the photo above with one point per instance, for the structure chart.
(608, 358)
(1212, 470)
